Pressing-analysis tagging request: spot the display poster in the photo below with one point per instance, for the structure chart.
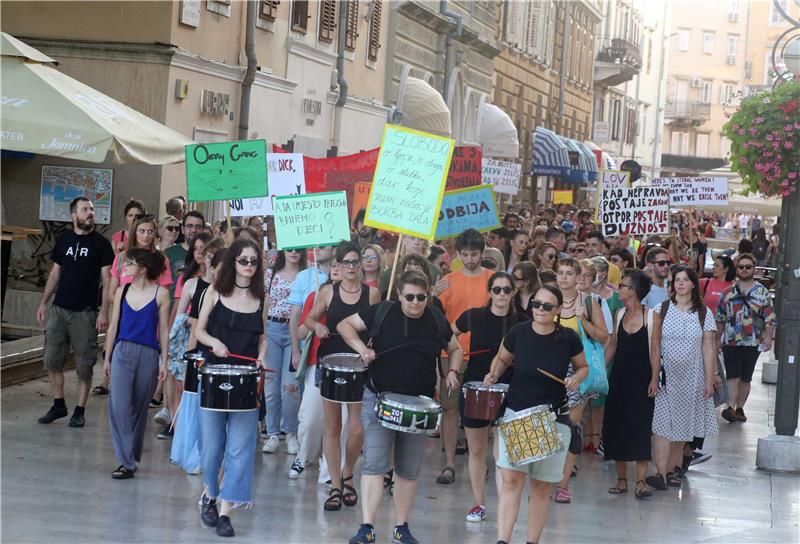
(504, 176)
(634, 211)
(226, 170)
(470, 208)
(311, 220)
(61, 184)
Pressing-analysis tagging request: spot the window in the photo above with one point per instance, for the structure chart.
(630, 129)
(535, 32)
(269, 9)
(708, 42)
(775, 17)
(705, 91)
(351, 32)
(616, 113)
(683, 39)
(680, 143)
(327, 20)
(724, 147)
(649, 54)
(300, 15)
(727, 92)
(514, 23)
(701, 145)
(374, 30)
(733, 44)
(734, 9)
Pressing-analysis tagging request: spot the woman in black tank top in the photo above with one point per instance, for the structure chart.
(339, 301)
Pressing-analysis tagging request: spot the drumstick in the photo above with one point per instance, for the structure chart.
(404, 344)
(246, 358)
(552, 376)
(478, 351)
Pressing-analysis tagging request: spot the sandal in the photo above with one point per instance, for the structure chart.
(618, 489)
(461, 447)
(100, 390)
(448, 476)
(350, 496)
(562, 495)
(641, 490)
(122, 473)
(334, 500)
(590, 447)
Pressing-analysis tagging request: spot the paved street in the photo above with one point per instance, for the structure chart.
(56, 487)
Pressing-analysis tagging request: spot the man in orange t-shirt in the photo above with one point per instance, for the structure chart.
(459, 291)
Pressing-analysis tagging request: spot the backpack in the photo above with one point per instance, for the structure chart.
(701, 313)
(442, 325)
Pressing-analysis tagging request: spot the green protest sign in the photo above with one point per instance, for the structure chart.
(311, 220)
(226, 170)
(409, 182)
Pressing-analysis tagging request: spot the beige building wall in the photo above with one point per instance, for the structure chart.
(766, 26)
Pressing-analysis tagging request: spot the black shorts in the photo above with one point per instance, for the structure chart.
(740, 361)
(471, 423)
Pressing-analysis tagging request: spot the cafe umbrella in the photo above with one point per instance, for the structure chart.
(46, 112)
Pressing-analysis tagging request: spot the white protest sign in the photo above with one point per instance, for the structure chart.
(608, 178)
(286, 177)
(502, 175)
(634, 211)
(695, 191)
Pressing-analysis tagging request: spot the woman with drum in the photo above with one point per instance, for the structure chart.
(137, 338)
(535, 349)
(339, 301)
(408, 338)
(488, 325)
(526, 282)
(581, 313)
(231, 322)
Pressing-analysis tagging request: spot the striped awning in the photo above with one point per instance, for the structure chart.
(579, 170)
(591, 161)
(550, 155)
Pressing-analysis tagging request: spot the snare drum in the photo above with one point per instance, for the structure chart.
(531, 435)
(342, 377)
(229, 388)
(482, 402)
(194, 360)
(408, 414)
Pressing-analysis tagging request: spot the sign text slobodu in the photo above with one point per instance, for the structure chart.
(409, 182)
(470, 208)
(311, 220)
(634, 211)
(226, 170)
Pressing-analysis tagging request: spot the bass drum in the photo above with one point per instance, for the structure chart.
(229, 388)
(343, 376)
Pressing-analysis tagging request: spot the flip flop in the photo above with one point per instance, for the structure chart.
(448, 476)
(100, 390)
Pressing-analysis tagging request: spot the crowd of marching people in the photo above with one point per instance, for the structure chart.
(622, 347)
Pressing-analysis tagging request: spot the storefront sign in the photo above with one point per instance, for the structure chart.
(502, 175)
(226, 170)
(312, 220)
(634, 211)
(465, 168)
(695, 191)
(470, 208)
(562, 196)
(409, 182)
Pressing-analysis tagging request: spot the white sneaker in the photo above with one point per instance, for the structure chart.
(296, 470)
(292, 445)
(163, 417)
(271, 444)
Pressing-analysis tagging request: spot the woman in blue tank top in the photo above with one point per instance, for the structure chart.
(137, 339)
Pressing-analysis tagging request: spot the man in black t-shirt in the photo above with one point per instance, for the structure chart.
(81, 257)
(422, 332)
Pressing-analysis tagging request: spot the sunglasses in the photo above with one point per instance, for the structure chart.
(745, 267)
(661, 263)
(370, 257)
(244, 261)
(549, 256)
(171, 228)
(506, 290)
(293, 250)
(420, 297)
(350, 264)
(546, 306)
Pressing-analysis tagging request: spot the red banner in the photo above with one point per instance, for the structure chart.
(465, 168)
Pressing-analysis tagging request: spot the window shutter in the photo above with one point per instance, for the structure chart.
(541, 31)
(533, 31)
(351, 32)
(375, 30)
(300, 15)
(551, 31)
(513, 10)
(269, 9)
(327, 20)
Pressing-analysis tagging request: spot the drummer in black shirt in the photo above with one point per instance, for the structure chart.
(488, 325)
(410, 370)
(538, 344)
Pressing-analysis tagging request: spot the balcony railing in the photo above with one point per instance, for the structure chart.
(687, 110)
(619, 51)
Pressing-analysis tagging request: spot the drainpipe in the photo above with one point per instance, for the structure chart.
(448, 48)
(340, 80)
(250, 74)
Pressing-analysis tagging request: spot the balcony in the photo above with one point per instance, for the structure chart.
(686, 112)
(688, 165)
(618, 60)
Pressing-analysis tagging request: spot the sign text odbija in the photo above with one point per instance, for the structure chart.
(634, 211)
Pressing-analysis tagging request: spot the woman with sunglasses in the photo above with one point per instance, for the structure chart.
(545, 256)
(517, 248)
(526, 283)
(373, 263)
(120, 238)
(337, 302)
(135, 343)
(540, 344)
(168, 231)
(282, 393)
(684, 343)
(583, 314)
(231, 321)
(487, 325)
(621, 258)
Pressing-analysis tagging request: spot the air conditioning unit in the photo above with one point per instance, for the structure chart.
(733, 16)
(697, 82)
(731, 59)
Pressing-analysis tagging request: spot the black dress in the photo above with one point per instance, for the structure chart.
(629, 411)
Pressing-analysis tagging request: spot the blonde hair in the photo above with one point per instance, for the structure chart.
(379, 252)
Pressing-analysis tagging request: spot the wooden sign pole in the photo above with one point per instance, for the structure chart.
(394, 266)
(229, 231)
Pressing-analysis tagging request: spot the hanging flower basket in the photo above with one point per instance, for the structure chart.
(765, 140)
